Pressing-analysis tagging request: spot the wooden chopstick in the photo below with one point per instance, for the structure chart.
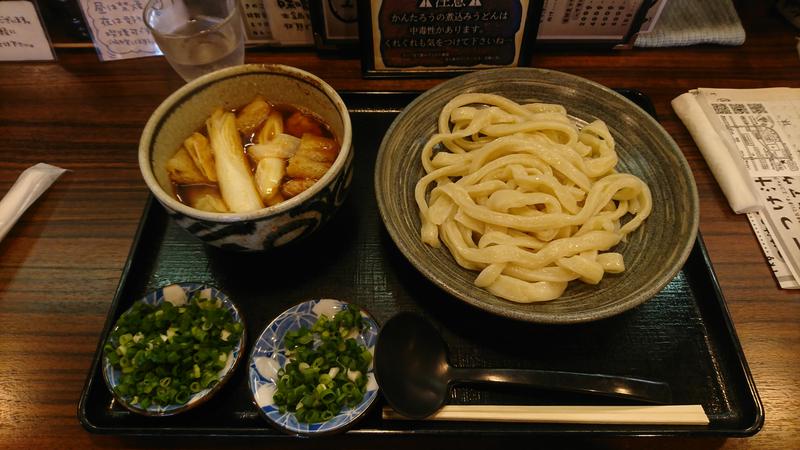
(636, 415)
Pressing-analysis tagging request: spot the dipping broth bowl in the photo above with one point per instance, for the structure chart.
(186, 110)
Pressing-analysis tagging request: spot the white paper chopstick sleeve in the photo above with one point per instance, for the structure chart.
(29, 186)
(728, 169)
(629, 415)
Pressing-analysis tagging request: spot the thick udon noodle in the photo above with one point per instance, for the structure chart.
(526, 197)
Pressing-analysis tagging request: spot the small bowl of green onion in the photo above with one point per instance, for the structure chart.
(311, 370)
(173, 349)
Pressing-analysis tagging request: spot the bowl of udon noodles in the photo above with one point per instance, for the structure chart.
(536, 195)
(249, 157)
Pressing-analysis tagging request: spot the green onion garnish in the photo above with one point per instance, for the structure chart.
(327, 368)
(166, 353)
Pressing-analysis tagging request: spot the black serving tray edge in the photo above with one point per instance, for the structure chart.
(759, 417)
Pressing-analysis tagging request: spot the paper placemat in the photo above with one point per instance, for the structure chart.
(751, 142)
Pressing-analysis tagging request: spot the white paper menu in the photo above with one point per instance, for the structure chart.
(587, 20)
(118, 29)
(22, 37)
(758, 129)
(290, 22)
(256, 22)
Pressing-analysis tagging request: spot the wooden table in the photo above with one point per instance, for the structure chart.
(61, 263)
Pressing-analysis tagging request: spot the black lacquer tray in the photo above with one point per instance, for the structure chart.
(683, 336)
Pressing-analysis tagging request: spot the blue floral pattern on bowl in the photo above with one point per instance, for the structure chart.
(176, 294)
(269, 355)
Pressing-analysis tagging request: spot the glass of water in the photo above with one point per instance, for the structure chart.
(197, 36)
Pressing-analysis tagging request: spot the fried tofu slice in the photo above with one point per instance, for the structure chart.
(275, 199)
(298, 124)
(295, 187)
(210, 203)
(303, 167)
(182, 169)
(252, 115)
(202, 155)
(318, 148)
(313, 158)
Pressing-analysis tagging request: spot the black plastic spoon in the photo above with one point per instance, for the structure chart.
(413, 373)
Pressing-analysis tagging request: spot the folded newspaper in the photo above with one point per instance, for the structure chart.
(750, 139)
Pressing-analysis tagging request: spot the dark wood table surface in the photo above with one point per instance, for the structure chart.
(60, 265)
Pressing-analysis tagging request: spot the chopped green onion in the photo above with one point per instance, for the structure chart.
(325, 370)
(166, 353)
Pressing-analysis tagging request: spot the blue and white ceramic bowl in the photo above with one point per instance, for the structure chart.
(187, 109)
(269, 355)
(178, 294)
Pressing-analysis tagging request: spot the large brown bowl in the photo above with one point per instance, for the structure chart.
(653, 254)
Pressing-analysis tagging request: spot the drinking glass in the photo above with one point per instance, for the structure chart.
(197, 36)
